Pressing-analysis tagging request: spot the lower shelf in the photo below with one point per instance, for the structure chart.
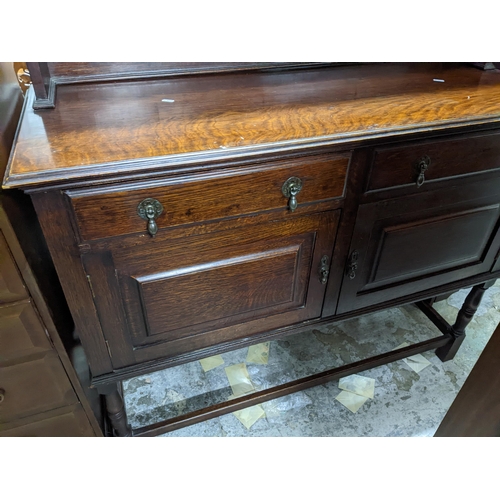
(293, 366)
(288, 388)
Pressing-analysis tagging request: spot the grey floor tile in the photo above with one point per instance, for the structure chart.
(405, 403)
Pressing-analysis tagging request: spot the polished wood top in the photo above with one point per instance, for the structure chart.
(128, 127)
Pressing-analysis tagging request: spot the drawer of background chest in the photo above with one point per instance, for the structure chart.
(113, 211)
(21, 332)
(34, 386)
(68, 421)
(436, 160)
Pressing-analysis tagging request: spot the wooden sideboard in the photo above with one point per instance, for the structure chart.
(191, 213)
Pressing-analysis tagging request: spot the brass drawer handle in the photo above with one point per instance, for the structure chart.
(324, 270)
(2, 395)
(290, 189)
(422, 165)
(149, 209)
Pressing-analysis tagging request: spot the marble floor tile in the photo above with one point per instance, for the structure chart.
(405, 403)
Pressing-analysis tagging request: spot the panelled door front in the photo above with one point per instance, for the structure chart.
(409, 244)
(165, 296)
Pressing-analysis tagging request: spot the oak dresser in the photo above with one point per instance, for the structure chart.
(193, 209)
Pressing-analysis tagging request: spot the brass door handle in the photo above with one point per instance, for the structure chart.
(352, 266)
(149, 209)
(290, 189)
(324, 270)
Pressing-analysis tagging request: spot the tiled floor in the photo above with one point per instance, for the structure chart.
(405, 403)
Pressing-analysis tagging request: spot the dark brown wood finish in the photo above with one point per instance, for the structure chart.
(66, 255)
(49, 75)
(251, 280)
(398, 166)
(116, 412)
(416, 242)
(231, 263)
(99, 71)
(464, 317)
(99, 130)
(106, 212)
(120, 374)
(476, 409)
(40, 78)
(354, 188)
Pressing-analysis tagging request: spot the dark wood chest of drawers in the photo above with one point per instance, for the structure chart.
(192, 215)
(40, 393)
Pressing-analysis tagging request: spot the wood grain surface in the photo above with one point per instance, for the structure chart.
(113, 126)
(163, 297)
(398, 166)
(106, 212)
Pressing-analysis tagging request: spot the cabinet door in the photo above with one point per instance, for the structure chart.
(406, 245)
(167, 296)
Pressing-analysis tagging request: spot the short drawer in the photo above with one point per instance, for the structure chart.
(21, 331)
(34, 386)
(403, 165)
(113, 211)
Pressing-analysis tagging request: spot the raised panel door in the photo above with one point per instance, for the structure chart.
(164, 298)
(409, 244)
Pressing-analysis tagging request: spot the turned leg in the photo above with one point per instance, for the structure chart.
(464, 317)
(115, 409)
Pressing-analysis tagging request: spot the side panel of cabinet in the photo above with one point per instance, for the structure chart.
(409, 244)
(164, 298)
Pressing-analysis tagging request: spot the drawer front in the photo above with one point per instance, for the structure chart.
(21, 332)
(11, 284)
(34, 386)
(70, 421)
(401, 166)
(111, 212)
(172, 298)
